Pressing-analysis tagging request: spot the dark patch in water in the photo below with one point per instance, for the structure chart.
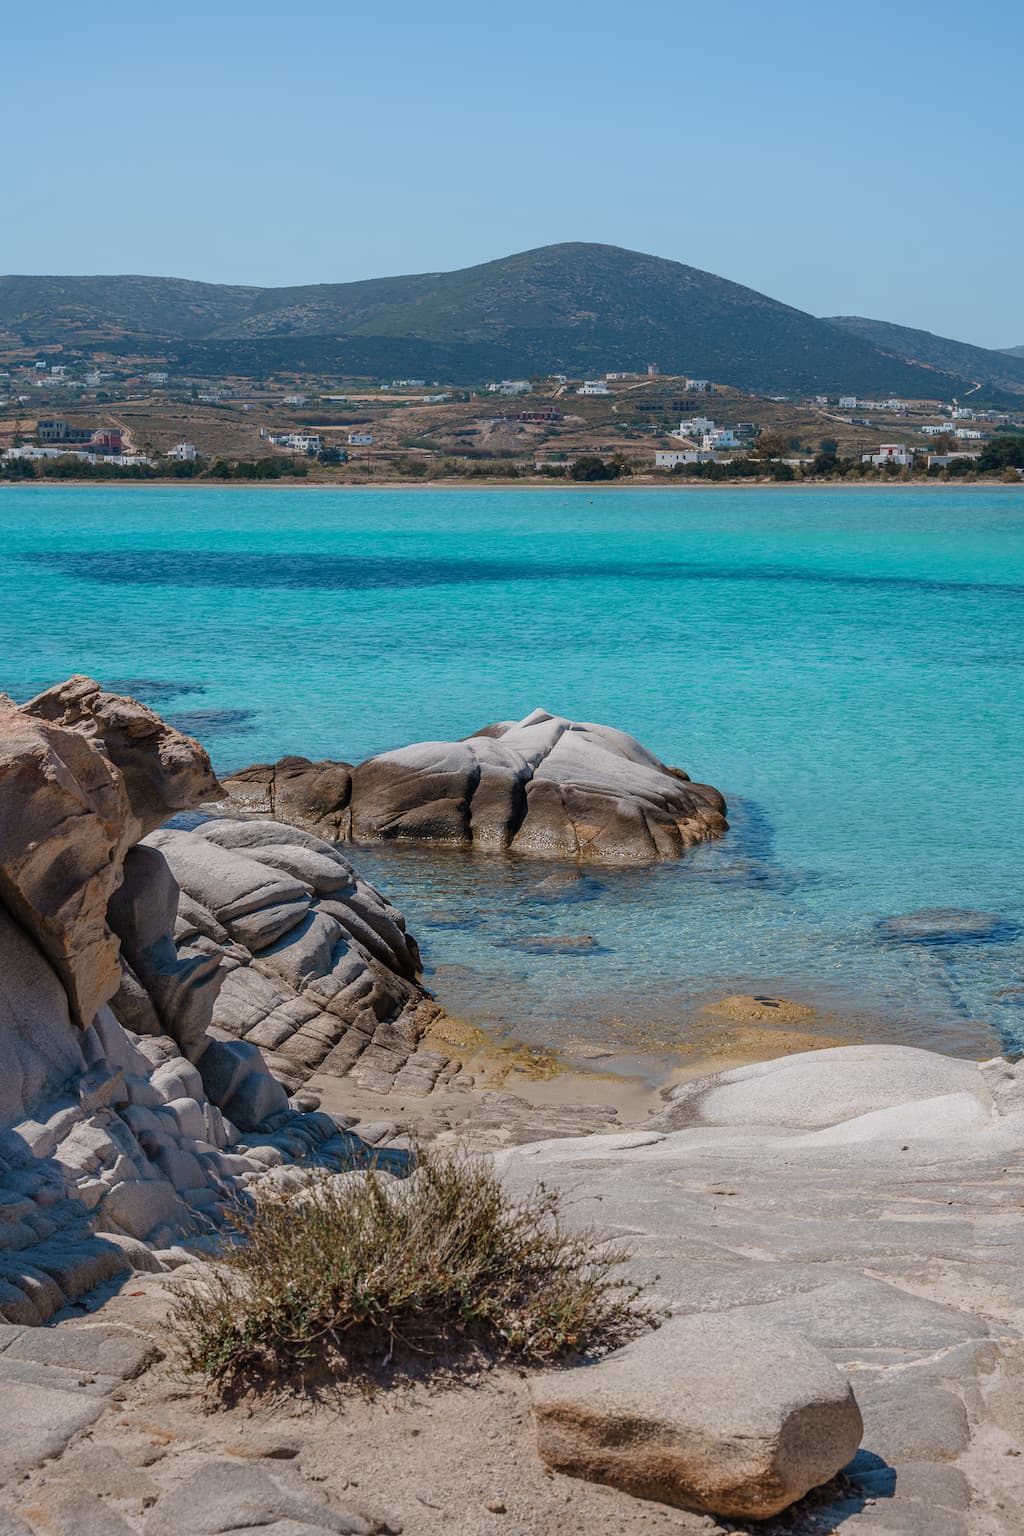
(213, 722)
(152, 690)
(307, 572)
(453, 920)
(944, 927)
(566, 886)
(554, 944)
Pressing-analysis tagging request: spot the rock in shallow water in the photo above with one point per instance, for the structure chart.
(711, 1412)
(544, 786)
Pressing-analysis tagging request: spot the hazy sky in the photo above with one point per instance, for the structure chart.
(849, 158)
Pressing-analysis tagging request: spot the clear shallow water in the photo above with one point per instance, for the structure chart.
(846, 667)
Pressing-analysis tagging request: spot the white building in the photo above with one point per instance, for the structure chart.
(510, 387)
(593, 387)
(184, 452)
(700, 387)
(720, 437)
(821, 399)
(298, 442)
(156, 378)
(968, 434)
(963, 413)
(294, 400)
(890, 453)
(943, 460)
(621, 378)
(934, 431)
(694, 426)
(360, 439)
(847, 402)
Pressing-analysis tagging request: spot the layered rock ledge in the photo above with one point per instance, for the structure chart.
(543, 786)
(129, 1118)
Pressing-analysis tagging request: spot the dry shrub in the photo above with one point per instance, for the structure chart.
(365, 1272)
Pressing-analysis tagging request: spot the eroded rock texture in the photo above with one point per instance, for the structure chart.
(127, 1119)
(544, 786)
(313, 965)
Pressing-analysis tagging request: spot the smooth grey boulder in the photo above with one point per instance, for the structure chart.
(819, 1089)
(544, 785)
(711, 1412)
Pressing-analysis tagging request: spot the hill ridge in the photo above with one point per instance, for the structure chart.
(573, 307)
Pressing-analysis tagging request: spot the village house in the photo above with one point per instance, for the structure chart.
(593, 387)
(944, 460)
(185, 453)
(360, 439)
(694, 427)
(890, 453)
(720, 437)
(298, 442)
(700, 386)
(848, 402)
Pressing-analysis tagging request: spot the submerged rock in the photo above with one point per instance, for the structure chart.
(948, 926)
(544, 786)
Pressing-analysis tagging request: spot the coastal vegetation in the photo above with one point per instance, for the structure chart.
(361, 1272)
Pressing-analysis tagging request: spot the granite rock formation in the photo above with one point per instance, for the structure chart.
(312, 965)
(861, 1198)
(127, 1120)
(543, 786)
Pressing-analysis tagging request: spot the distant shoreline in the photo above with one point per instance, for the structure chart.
(585, 487)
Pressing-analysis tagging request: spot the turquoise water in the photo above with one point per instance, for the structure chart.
(846, 667)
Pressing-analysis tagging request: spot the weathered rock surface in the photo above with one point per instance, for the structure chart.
(543, 785)
(310, 963)
(113, 1145)
(164, 771)
(877, 1226)
(65, 825)
(712, 1412)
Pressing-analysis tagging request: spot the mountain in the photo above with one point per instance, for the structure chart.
(1002, 370)
(1014, 351)
(574, 308)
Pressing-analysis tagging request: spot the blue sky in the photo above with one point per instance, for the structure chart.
(859, 157)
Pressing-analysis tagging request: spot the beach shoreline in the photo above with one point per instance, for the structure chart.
(461, 483)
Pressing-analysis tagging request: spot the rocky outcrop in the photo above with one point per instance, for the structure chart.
(860, 1202)
(312, 965)
(712, 1413)
(543, 786)
(65, 826)
(127, 1119)
(163, 770)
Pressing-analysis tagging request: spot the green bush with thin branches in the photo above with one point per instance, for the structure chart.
(364, 1273)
